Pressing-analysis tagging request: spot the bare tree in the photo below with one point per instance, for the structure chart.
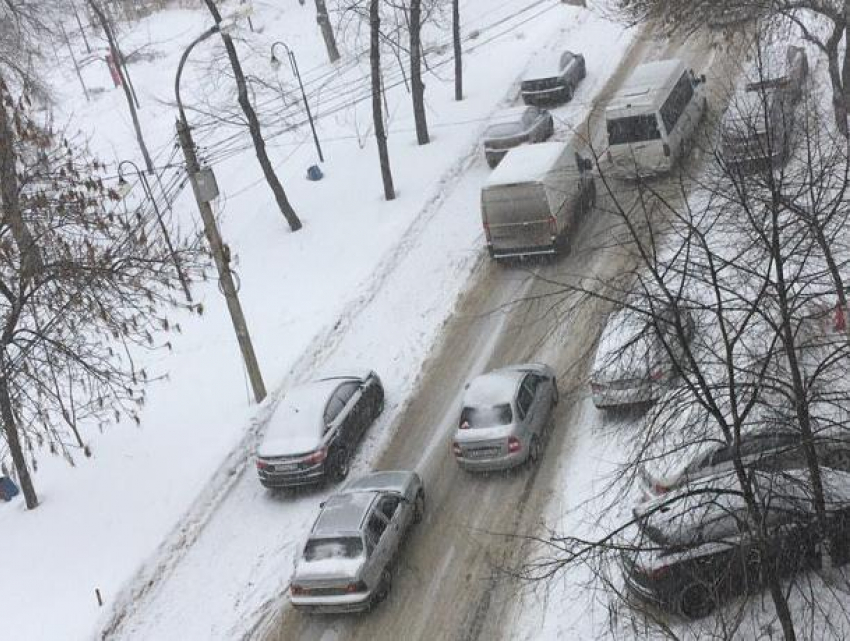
(254, 126)
(327, 30)
(733, 266)
(458, 51)
(377, 91)
(418, 87)
(71, 331)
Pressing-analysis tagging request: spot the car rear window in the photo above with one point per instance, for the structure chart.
(472, 417)
(503, 129)
(348, 547)
(622, 131)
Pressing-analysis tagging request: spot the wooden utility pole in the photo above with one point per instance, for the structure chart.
(457, 50)
(254, 126)
(377, 113)
(74, 60)
(327, 30)
(418, 87)
(222, 263)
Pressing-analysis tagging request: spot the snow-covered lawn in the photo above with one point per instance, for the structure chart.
(365, 283)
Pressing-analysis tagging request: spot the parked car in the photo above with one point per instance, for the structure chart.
(505, 414)
(513, 127)
(766, 448)
(532, 202)
(345, 564)
(692, 548)
(553, 79)
(316, 428)
(757, 128)
(632, 364)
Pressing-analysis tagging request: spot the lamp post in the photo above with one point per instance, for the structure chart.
(204, 193)
(149, 194)
(294, 64)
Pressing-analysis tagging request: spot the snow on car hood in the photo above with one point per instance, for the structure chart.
(624, 348)
(297, 424)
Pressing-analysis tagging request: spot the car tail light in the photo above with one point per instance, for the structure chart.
(514, 445)
(653, 573)
(597, 388)
(659, 488)
(553, 225)
(261, 464)
(456, 449)
(657, 375)
(487, 232)
(352, 588)
(317, 457)
(610, 157)
(298, 590)
(666, 149)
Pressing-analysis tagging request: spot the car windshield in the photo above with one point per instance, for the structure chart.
(348, 547)
(622, 131)
(472, 417)
(502, 129)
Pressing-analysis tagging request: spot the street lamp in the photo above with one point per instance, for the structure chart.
(122, 185)
(205, 191)
(292, 63)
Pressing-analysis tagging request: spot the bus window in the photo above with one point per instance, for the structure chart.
(676, 102)
(622, 131)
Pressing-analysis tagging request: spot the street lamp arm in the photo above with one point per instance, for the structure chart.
(206, 34)
(127, 162)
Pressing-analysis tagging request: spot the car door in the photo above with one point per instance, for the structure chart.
(569, 68)
(354, 415)
(334, 432)
(531, 124)
(376, 532)
(392, 507)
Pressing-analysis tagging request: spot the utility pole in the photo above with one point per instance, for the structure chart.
(222, 263)
(458, 52)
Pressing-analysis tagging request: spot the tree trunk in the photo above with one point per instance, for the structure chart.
(377, 113)
(9, 197)
(254, 127)
(125, 85)
(845, 70)
(418, 92)
(457, 50)
(327, 30)
(10, 429)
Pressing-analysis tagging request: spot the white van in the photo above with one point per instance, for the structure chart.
(653, 117)
(531, 201)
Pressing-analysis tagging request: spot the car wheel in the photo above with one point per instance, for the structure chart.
(696, 601)
(556, 395)
(492, 163)
(534, 451)
(419, 508)
(839, 460)
(339, 465)
(384, 586)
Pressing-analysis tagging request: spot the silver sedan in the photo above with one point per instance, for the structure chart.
(504, 417)
(346, 563)
(513, 127)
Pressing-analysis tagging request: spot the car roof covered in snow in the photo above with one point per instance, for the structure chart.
(494, 388)
(647, 87)
(297, 425)
(545, 65)
(529, 163)
(508, 116)
(343, 512)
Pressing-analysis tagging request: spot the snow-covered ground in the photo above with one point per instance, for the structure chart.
(365, 282)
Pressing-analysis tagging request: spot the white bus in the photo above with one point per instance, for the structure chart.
(652, 118)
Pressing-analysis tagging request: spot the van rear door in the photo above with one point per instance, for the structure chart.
(517, 220)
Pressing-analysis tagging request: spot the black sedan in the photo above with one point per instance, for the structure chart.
(316, 428)
(693, 548)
